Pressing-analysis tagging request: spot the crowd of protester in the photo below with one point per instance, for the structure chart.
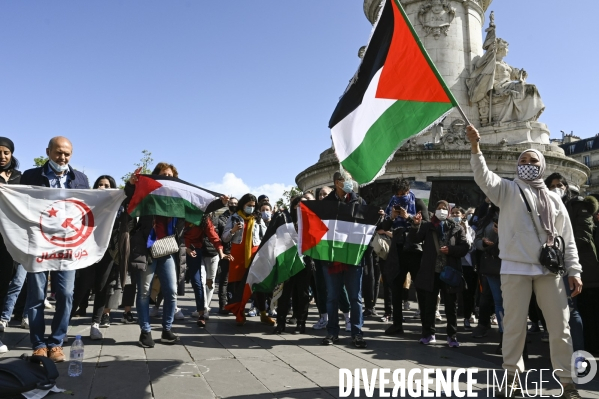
(411, 247)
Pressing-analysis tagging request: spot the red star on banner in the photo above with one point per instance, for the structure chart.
(52, 212)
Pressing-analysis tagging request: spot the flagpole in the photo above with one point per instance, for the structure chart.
(461, 111)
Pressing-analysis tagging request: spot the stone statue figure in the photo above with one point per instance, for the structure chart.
(436, 17)
(499, 89)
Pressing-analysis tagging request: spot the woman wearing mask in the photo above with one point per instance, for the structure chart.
(444, 243)
(195, 237)
(470, 276)
(98, 277)
(521, 237)
(148, 230)
(244, 230)
(9, 275)
(266, 213)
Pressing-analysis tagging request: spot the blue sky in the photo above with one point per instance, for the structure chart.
(236, 94)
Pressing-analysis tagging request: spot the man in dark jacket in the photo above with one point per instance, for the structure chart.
(404, 257)
(55, 173)
(336, 275)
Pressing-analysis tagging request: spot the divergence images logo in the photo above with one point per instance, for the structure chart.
(67, 223)
(584, 367)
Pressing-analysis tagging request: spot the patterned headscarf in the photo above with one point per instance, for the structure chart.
(544, 203)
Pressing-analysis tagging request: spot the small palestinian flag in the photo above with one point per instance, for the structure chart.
(396, 94)
(334, 231)
(171, 197)
(276, 261)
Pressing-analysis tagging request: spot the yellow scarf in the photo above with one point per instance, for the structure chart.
(249, 236)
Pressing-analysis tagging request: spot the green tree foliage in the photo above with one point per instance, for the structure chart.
(39, 161)
(145, 163)
(287, 196)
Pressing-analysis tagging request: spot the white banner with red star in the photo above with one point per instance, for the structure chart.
(57, 229)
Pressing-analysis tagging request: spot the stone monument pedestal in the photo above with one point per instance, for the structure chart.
(515, 133)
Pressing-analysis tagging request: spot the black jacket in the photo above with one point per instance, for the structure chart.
(458, 248)
(39, 177)
(581, 211)
(353, 198)
(220, 229)
(15, 178)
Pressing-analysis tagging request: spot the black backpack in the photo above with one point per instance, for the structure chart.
(26, 373)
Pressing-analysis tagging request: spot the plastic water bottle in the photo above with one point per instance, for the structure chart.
(76, 358)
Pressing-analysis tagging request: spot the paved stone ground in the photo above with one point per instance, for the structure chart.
(226, 361)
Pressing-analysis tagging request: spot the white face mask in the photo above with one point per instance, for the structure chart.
(441, 214)
(559, 191)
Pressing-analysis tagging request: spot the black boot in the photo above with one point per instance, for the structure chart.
(300, 329)
(279, 329)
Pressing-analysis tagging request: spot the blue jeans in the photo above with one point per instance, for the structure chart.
(352, 279)
(575, 322)
(63, 283)
(194, 267)
(166, 270)
(495, 285)
(14, 289)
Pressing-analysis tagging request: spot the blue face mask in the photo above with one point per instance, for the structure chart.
(348, 186)
(266, 215)
(57, 167)
(248, 210)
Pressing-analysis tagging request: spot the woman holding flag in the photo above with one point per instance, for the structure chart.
(244, 230)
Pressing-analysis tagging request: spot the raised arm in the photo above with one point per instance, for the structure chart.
(490, 183)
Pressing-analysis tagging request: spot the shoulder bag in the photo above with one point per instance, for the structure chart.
(552, 257)
(449, 275)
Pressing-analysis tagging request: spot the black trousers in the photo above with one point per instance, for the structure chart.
(387, 295)
(297, 287)
(223, 279)
(486, 305)
(587, 307)
(409, 262)
(96, 277)
(428, 305)
(469, 293)
(371, 280)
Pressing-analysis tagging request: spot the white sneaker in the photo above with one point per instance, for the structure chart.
(406, 305)
(25, 323)
(438, 316)
(473, 319)
(154, 312)
(179, 314)
(347, 326)
(195, 314)
(47, 304)
(94, 332)
(494, 320)
(3, 325)
(321, 324)
(3, 348)
(272, 313)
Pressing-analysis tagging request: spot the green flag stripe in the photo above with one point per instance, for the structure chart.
(170, 207)
(337, 251)
(287, 265)
(397, 124)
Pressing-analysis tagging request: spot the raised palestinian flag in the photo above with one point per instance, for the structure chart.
(275, 261)
(334, 231)
(171, 197)
(396, 94)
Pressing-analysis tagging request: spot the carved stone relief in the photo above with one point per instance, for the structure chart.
(436, 17)
(454, 137)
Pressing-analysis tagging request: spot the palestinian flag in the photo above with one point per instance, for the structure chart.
(275, 261)
(334, 231)
(171, 197)
(396, 94)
